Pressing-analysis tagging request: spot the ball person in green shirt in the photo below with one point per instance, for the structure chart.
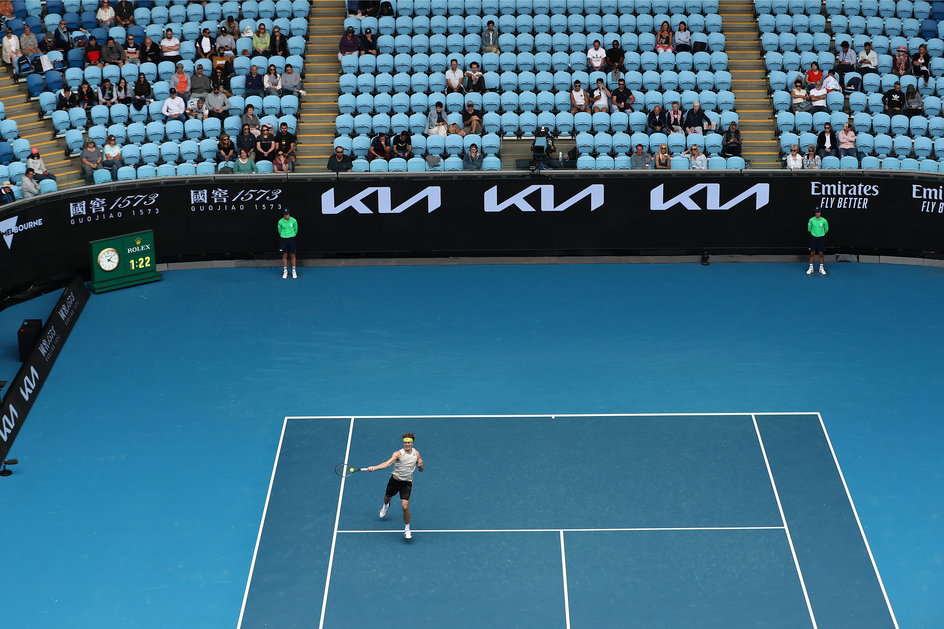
(817, 226)
(288, 229)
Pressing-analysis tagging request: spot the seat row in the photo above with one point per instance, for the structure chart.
(795, 62)
(873, 26)
(454, 144)
(880, 145)
(623, 143)
(212, 9)
(820, 42)
(174, 130)
(678, 162)
(866, 8)
(412, 8)
(186, 31)
(896, 124)
(870, 162)
(168, 152)
(18, 150)
(418, 164)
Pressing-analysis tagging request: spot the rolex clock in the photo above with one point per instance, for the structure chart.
(122, 261)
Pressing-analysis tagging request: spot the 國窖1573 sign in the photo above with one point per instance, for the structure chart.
(122, 261)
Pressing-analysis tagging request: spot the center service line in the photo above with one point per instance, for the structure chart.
(564, 571)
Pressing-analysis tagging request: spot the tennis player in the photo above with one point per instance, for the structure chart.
(404, 461)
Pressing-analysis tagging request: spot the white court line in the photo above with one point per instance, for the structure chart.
(783, 517)
(859, 522)
(550, 415)
(265, 508)
(334, 535)
(564, 572)
(555, 530)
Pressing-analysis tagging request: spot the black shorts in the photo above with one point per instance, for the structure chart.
(287, 245)
(402, 487)
(818, 243)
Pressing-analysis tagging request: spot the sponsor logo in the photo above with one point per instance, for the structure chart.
(931, 197)
(9, 228)
(381, 198)
(8, 422)
(712, 197)
(223, 200)
(547, 199)
(843, 196)
(26, 387)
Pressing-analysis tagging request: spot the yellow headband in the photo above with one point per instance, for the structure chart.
(407, 440)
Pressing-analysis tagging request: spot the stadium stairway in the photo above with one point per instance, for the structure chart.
(319, 106)
(749, 84)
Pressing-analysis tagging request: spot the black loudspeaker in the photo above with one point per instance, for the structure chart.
(28, 337)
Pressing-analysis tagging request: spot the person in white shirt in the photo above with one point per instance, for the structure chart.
(170, 46)
(11, 46)
(579, 99)
(818, 96)
(197, 109)
(105, 15)
(454, 77)
(596, 57)
(696, 158)
(601, 97)
(868, 59)
(794, 159)
(28, 184)
(174, 107)
(831, 83)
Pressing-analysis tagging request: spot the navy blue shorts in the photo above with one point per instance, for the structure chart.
(396, 486)
(287, 245)
(818, 243)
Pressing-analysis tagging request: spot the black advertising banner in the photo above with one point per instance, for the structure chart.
(204, 218)
(32, 375)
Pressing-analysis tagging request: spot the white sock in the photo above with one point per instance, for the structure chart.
(822, 266)
(407, 527)
(284, 268)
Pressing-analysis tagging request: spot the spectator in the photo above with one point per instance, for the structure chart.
(490, 38)
(656, 121)
(220, 80)
(472, 159)
(901, 63)
(813, 75)
(272, 82)
(920, 63)
(265, 144)
(278, 45)
(93, 52)
(11, 47)
(123, 92)
(472, 118)
(230, 26)
(142, 93)
(615, 56)
(291, 81)
(28, 43)
(454, 77)
(150, 51)
(596, 58)
(174, 107)
(105, 15)
(623, 98)
(601, 97)
(200, 83)
(6, 193)
(181, 82)
(800, 99)
(91, 160)
(914, 103)
(794, 159)
(87, 96)
(225, 43)
(847, 142)
(696, 120)
(246, 140)
(63, 37)
(811, 159)
(640, 158)
(894, 100)
(402, 146)
(731, 142)
(66, 99)
(339, 162)
(675, 118)
(579, 99)
(697, 160)
(218, 103)
(197, 109)
(845, 61)
(350, 44)
(254, 83)
(113, 53)
(436, 121)
(474, 79)
(250, 118)
(664, 38)
(831, 83)
(244, 164)
(106, 93)
(112, 155)
(683, 38)
(124, 13)
(287, 142)
(28, 184)
(47, 44)
(826, 143)
(663, 158)
(455, 129)
(206, 45)
(170, 47)
(818, 97)
(225, 149)
(280, 164)
(868, 59)
(379, 148)
(261, 41)
(36, 162)
(368, 43)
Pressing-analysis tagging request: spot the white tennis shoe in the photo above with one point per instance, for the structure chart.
(284, 274)
(294, 275)
(822, 270)
(408, 534)
(383, 510)
(809, 271)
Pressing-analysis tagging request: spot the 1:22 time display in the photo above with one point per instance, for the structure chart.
(140, 263)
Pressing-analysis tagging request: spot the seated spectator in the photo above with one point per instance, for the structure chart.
(93, 53)
(180, 81)
(265, 144)
(894, 100)
(225, 149)
(106, 93)
(455, 129)
(278, 45)
(914, 102)
(197, 109)
(174, 107)
(368, 43)
(250, 118)
(123, 92)
(350, 44)
(454, 77)
(286, 143)
(436, 121)
(63, 37)
(731, 141)
(663, 158)
(230, 25)
(220, 79)
(811, 159)
(200, 83)
(142, 92)
(291, 81)
(6, 193)
(87, 96)
(113, 53)
(47, 43)
(66, 99)
(170, 46)
(11, 47)
(29, 185)
(640, 158)
(579, 99)
(254, 83)
(206, 45)
(697, 160)
(280, 164)
(339, 162)
(901, 63)
(379, 148)
(664, 38)
(623, 98)
(105, 15)
(800, 100)
(675, 118)
(813, 75)
(490, 38)
(826, 143)
(150, 51)
(218, 103)
(656, 121)
(472, 118)
(596, 58)
(818, 97)
(683, 38)
(36, 162)
(920, 63)
(696, 120)
(845, 61)
(472, 159)
(29, 45)
(401, 146)
(543, 149)
(90, 160)
(615, 55)
(601, 97)
(831, 83)
(225, 43)
(794, 159)
(847, 142)
(244, 164)
(272, 82)
(112, 157)
(474, 79)
(124, 13)
(246, 140)
(868, 61)
(261, 41)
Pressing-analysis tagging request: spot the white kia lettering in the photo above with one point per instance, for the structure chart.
(9, 422)
(760, 192)
(29, 384)
(432, 195)
(520, 200)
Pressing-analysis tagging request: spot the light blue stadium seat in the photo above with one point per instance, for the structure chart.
(101, 175)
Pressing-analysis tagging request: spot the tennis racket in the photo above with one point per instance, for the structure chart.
(345, 469)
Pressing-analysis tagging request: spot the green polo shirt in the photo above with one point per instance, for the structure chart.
(818, 226)
(288, 227)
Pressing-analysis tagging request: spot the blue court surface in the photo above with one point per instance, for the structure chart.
(606, 445)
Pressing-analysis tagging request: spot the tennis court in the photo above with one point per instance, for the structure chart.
(673, 521)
